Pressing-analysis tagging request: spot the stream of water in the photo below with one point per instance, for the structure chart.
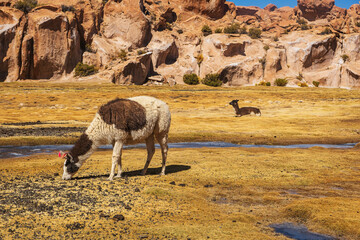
(21, 151)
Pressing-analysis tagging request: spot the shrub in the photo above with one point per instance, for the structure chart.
(191, 79)
(212, 79)
(302, 84)
(263, 83)
(326, 31)
(141, 52)
(263, 62)
(82, 70)
(65, 8)
(199, 59)
(206, 30)
(243, 30)
(122, 55)
(357, 24)
(316, 83)
(345, 57)
(266, 47)
(25, 5)
(218, 30)
(232, 29)
(281, 82)
(254, 33)
(299, 77)
(304, 27)
(88, 48)
(276, 38)
(301, 21)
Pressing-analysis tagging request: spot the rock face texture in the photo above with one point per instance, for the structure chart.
(132, 42)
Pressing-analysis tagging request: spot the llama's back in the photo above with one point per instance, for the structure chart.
(156, 110)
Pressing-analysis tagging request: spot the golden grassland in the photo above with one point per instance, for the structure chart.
(199, 113)
(208, 193)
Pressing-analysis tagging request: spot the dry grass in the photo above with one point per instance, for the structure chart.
(199, 113)
(231, 193)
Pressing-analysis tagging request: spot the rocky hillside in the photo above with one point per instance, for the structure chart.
(135, 42)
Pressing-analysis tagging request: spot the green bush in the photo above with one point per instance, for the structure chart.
(326, 31)
(206, 30)
(83, 69)
(218, 30)
(243, 30)
(141, 52)
(191, 79)
(276, 38)
(66, 8)
(232, 29)
(212, 79)
(316, 83)
(299, 77)
(254, 33)
(266, 47)
(357, 24)
(281, 82)
(25, 5)
(302, 84)
(345, 57)
(263, 83)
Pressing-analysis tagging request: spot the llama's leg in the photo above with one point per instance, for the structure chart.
(150, 145)
(116, 159)
(163, 139)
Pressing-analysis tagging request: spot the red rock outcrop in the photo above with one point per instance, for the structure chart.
(124, 21)
(11, 28)
(214, 9)
(270, 7)
(51, 46)
(315, 9)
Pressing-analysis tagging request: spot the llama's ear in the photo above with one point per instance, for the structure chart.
(62, 154)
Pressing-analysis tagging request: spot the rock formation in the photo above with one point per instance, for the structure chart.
(315, 40)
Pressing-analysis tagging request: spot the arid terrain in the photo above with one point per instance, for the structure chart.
(208, 193)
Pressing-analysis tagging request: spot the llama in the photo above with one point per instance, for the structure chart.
(244, 110)
(119, 122)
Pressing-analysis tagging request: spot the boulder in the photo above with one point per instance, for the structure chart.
(270, 7)
(125, 22)
(214, 9)
(134, 71)
(248, 72)
(51, 46)
(315, 9)
(11, 32)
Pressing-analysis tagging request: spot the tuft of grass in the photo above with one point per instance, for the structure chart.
(212, 79)
(82, 70)
(232, 29)
(281, 82)
(266, 47)
(25, 5)
(254, 33)
(218, 30)
(206, 30)
(191, 79)
(264, 83)
(345, 57)
(316, 83)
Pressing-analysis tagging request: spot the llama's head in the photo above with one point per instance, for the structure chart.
(71, 165)
(233, 103)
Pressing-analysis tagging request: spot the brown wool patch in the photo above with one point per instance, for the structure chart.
(82, 146)
(126, 114)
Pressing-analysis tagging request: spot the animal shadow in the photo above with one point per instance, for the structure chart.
(151, 171)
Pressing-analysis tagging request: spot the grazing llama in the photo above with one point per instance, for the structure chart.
(119, 122)
(244, 110)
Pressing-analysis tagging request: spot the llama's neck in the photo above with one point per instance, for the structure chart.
(83, 149)
(236, 107)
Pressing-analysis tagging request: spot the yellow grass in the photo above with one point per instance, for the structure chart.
(231, 193)
(208, 193)
(199, 113)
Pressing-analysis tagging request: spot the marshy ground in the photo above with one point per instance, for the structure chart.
(208, 193)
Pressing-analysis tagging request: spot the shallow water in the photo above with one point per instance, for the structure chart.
(21, 151)
(298, 232)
